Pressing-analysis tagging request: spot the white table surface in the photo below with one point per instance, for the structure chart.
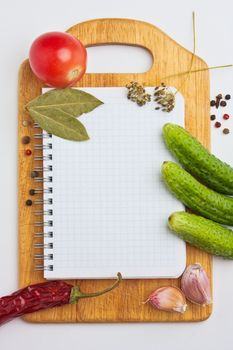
(22, 21)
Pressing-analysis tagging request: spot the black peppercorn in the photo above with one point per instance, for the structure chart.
(223, 103)
(26, 140)
(28, 202)
(32, 192)
(213, 117)
(212, 103)
(34, 174)
(227, 97)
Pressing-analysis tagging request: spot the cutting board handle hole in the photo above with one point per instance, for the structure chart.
(118, 59)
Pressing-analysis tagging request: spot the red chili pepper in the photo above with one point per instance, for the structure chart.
(43, 296)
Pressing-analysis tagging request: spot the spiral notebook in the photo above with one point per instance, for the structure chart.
(106, 208)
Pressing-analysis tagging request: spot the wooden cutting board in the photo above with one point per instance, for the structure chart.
(125, 303)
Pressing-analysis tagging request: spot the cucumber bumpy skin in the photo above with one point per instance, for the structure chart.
(199, 198)
(202, 233)
(197, 160)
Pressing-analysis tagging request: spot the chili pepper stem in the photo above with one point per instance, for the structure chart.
(76, 294)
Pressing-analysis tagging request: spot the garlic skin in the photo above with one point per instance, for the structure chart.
(168, 299)
(196, 285)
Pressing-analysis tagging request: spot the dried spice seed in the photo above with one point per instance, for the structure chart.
(226, 116)
(28, 152)
(212, 103)
(28, 202)
(32, 192)
(165, 98)
(213, 117)
(223, 103)
(34, 174)
(226, 131)
(217, 101)
(217, 125)
(137, 93)
(25, 123)
(26, 140)
(227, 97)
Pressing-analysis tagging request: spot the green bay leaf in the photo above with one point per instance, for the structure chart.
(58, 123)
(56, 112)
(72, 101)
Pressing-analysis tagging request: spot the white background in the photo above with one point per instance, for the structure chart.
(20, 22)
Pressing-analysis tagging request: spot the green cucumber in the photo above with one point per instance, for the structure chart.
(197, 160)
(202, 233)
(199, 198)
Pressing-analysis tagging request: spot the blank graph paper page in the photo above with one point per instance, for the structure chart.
(110, 205)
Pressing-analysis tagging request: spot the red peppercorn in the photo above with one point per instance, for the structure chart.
(226, 116)
(217, 125)
(28, 152)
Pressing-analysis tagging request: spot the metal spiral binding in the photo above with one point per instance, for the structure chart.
(43, 245)
(43, 256)
(43, 152)
(42, 136)
(41, 190)
(36, 125)
(48, 157)
(43, 201)
(43, 234)
(38, 146)
(43, 212)
(44, 179)
(43, 168)
(44, 267)
(43, 223)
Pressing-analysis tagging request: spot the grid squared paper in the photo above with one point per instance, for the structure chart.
(110, 206)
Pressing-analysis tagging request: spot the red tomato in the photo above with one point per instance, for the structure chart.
(58, 59)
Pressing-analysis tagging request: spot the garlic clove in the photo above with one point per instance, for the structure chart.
(196, 285)
(168, 299)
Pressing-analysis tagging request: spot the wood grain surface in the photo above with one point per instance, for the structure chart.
(125, 303)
